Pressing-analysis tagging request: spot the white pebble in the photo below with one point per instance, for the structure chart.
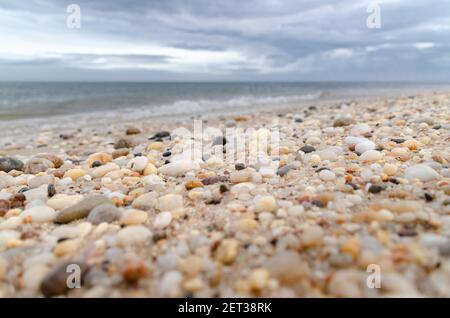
(327, 175)
(422, 172)
(162, 220)
(136, 234)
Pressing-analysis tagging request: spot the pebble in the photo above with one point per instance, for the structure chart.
(135, 234)
(170, 284)
(122, 152)
(74, 174)
(360, 130)
(162, 220)
(227, 251)
(57, 161)
(327, 175)
(36, 165)
(343, 121)
(146, 201)
(265, 204)
(422, 172)
(364, 146)
(38, 181)
(104, 213)
(240, 176)
(371, 155)
(178, 168)
(81, 209)
(122, 143)
(133, 131)
(8, 164)
(259, 279)
(139, 163)
(307, 149)
(60, 201)
(390, 169)
(39, 214)
(170, 202)
(134, 217)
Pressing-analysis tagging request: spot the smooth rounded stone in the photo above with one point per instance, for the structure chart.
(240, 176)
(360, 129)
(283, 171)
(66, 232)
(146, 201)
(61, 201)
(311, 236)
(33, 276)
(103, 170)
(135, 234)
(307, 149)
(38, 194)
(65, 181)
(139, 163)
(375, 189)
(364, 146)
(41, 180)
(422, 172)
(11, 223)
(402, 153)
(7, 235)
(122, 143)
(161, 135)
(36, 165)
(287, 266)
(162, 220)
(390, 169)
(39, 214)
(170, 284)
(314, 140)
(170, 202)
(6, 181)
(133, 217)
(101, 157)
(343, 121)
(371, 155)
(265, 203)
(328, 154)
(81, 209)
(8, 164)
(152, 182)
(178, 168)
(104, 213)
(55, 282)
(327, 175)
(133, 131)
(347, 283)
(57, 161)
(122, 152)
(352, 140)
(74, 174)
(267, 172)
(150, 169)
(5, 196)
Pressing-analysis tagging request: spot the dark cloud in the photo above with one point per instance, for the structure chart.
(230, 40)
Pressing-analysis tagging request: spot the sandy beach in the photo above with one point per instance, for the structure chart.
(347, 191)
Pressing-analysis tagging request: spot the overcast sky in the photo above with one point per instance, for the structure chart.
(225, 40)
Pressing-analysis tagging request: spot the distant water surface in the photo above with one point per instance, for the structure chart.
(28, 100)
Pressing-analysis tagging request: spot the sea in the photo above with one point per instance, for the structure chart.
(28, 100)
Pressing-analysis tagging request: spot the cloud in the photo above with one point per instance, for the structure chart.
(202, 39)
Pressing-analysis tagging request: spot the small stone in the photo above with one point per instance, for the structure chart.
(327, 175)
(364, 146)
(422, 172)
(288, 267)
(81, 209)
(170, 202)
(155, 146)
(41, 180)
(351, 246)
(227, 251)
(133, 131)
(312, 236)
(371, 155)
(150, 169)
(8, 164)
(122, 143)
(55, 282)
(284, 170)
(36, 165)
(308, 149)
(246, 225)
(38, 194)
(178, 168)
(33, 276)
(74, 174)
(134, 217)
(139, 164)
(360, 130)
(259, 279)
(265, 204)
(214, 180)
(162, 220)
(57, 162)
(401, 153)
(240, 176)
(103, 170)
(66, 248)
(39, 214)
(152, 182)
(342, 121)
(390, 169)
(170, 284)
(60, 201)
(122, 152)
(131, 235)
(239, 166)
(146, 201)
(104, 213)
(192, 184)
(375, 189)
(160, 135)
